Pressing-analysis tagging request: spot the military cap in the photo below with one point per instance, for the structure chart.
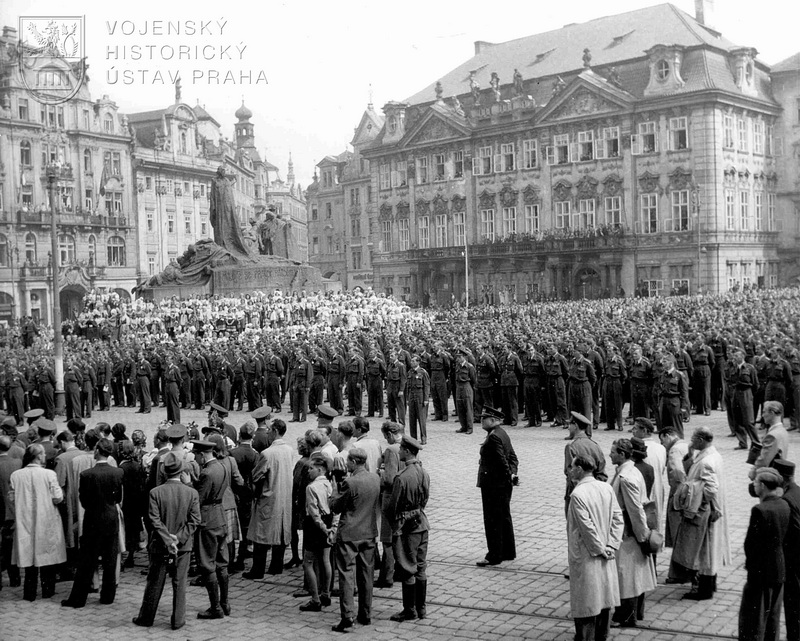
(44, 424)
(9, 421)
(202, 446)
(35, 413)
(212, 428)
(491, 412)
(75, 425)
(220, 410)
(318, 458)
(176, 431)
(326, 411)
(261, 412)
(580, 418)
(410, 443)
(785, 468)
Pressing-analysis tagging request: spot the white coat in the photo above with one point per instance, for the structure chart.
(271, 522)
(38, 533)
(637, 574)
(657, 457)
(594, 522)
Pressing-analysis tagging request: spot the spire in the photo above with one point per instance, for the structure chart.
(290, 173)
(369, 104)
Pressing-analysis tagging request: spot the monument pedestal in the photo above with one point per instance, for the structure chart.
(265, 276)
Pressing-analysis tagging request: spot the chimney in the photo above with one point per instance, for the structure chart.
(10, 33)
(704, 12)
(481, 45)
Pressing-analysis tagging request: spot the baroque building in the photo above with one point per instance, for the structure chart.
(597, 159)
(289, 202)
(83, 146)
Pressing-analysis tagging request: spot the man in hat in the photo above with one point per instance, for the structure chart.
(32, 415)
(191, 469)
(260, 440)
(212, 552)
(497, 476)
(791, 545)
(760, 611)
(580, 434)
(174, 516)
(594, 534)
(356, 499)
(702, 543)
(405, 511)
(325, 415)
(46, 430)
(100, 493)
(635, 569)
(216, 422)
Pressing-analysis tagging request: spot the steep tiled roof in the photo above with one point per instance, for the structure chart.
(612, 40)
(792, 63)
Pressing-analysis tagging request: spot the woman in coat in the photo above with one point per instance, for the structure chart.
(39, 534)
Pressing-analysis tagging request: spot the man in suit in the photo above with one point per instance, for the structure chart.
(791, 550)
(775, 443)
(760, 612)
(356, 499)
(100, 492)
(497, 475)
(174, 516)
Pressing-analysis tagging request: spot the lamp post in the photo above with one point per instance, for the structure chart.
(696, 216)
(53, 172)
(13, 256)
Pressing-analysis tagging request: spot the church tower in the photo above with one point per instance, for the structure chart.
(244, 128)
(290, 173)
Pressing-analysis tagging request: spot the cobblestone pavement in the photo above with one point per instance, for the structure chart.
(524, 599)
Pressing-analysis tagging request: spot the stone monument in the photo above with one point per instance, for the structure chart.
(262, 258)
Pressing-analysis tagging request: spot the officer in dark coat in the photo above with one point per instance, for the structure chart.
(497, 475)
(465, 381)
(791, 550)
(396, 388)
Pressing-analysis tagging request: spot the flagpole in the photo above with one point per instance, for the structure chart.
(58, 344)
(466, 268)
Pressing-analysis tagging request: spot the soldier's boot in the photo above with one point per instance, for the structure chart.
(408, 613)
(420, 594)
(222, 579)
(214, 611)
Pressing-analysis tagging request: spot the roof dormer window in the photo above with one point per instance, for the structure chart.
(662, 70)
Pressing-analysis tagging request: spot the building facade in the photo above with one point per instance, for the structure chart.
(589, 161)
(85, 147)
(289, 201)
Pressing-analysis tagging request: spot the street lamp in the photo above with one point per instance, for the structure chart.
(696, 216)
(53, 171)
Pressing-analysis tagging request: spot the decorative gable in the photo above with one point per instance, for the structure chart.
(433, 130)
(582, 103)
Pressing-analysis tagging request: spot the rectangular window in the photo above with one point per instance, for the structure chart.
(680, 210)
(484, 164)
(509, 221)
(614, 211)
(22, 108)
(509, 156)
(558, 154)
(441, 230)
(384, 176)
(109, 203)
(356, 259)
(744, 210)
(439, 161)
(727, 131)
(648, 204)
(315, 245)
(741, 134)
(680, 285)
(758, 209)
(27, 196)
(148, 183)
(586, 145)
(60, 117)
(330, 244)
(733, 275)
(423, 175)
(402, 233)
(117, 203)
(563, 209)
(203, 228)
(770, 140)
(678, 133)
(88, 199)
(328, 210)
(386, 235)
(531, 219)
(771, 224)
(314, 214)
(86, 119)
(758, 136)
(586, 213)
(530, 155)
(654, 287)
(608, 146)
(355, 226)
(151, 265)
(746, 273)
(460, 228)
(170, 223)
(458, 164)
(730, 209)
(187, 224)
(487, 225)
(646, 140)
(424, 232)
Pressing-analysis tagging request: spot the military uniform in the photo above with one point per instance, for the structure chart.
(485, 370)
(672, 389)
(439, 372)
(376, 370)
(742, 380)
(172, 393)
(702, 359)
(615, 375)
(466, 379)
(143, 373)
(582, 378)
(299, 384)
(73, 380)
(555, 366)
(336, 370)
(355, 379)
(510, 372)
(274, 366)
(319, 368)
(252, 375)
(395, 391)
(418, 392)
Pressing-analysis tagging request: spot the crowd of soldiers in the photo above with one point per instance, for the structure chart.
(666, 357)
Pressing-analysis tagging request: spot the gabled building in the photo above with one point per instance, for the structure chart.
(289, 201)
(85, 146)
(602, 158)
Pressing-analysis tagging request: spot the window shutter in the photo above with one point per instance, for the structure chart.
(476, 166)
(636, 145)
(574, 152)
(600, 149)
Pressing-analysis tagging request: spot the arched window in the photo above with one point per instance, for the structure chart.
(25, 153)
(4, 257)
(66, 249)
(30, 248)
(183, 142)
(92, 249)
(116, 252)
(87, 160)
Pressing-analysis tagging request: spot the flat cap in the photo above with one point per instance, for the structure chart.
(202, 446)
(491, 412)
(327, 411)
(410, 443)
(176, 431)
(261, 412)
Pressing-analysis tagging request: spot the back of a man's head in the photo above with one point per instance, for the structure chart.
(5, 443)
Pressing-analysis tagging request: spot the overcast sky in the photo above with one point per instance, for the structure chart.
(322, 60)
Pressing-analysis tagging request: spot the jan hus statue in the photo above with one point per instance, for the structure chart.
(227, 231)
